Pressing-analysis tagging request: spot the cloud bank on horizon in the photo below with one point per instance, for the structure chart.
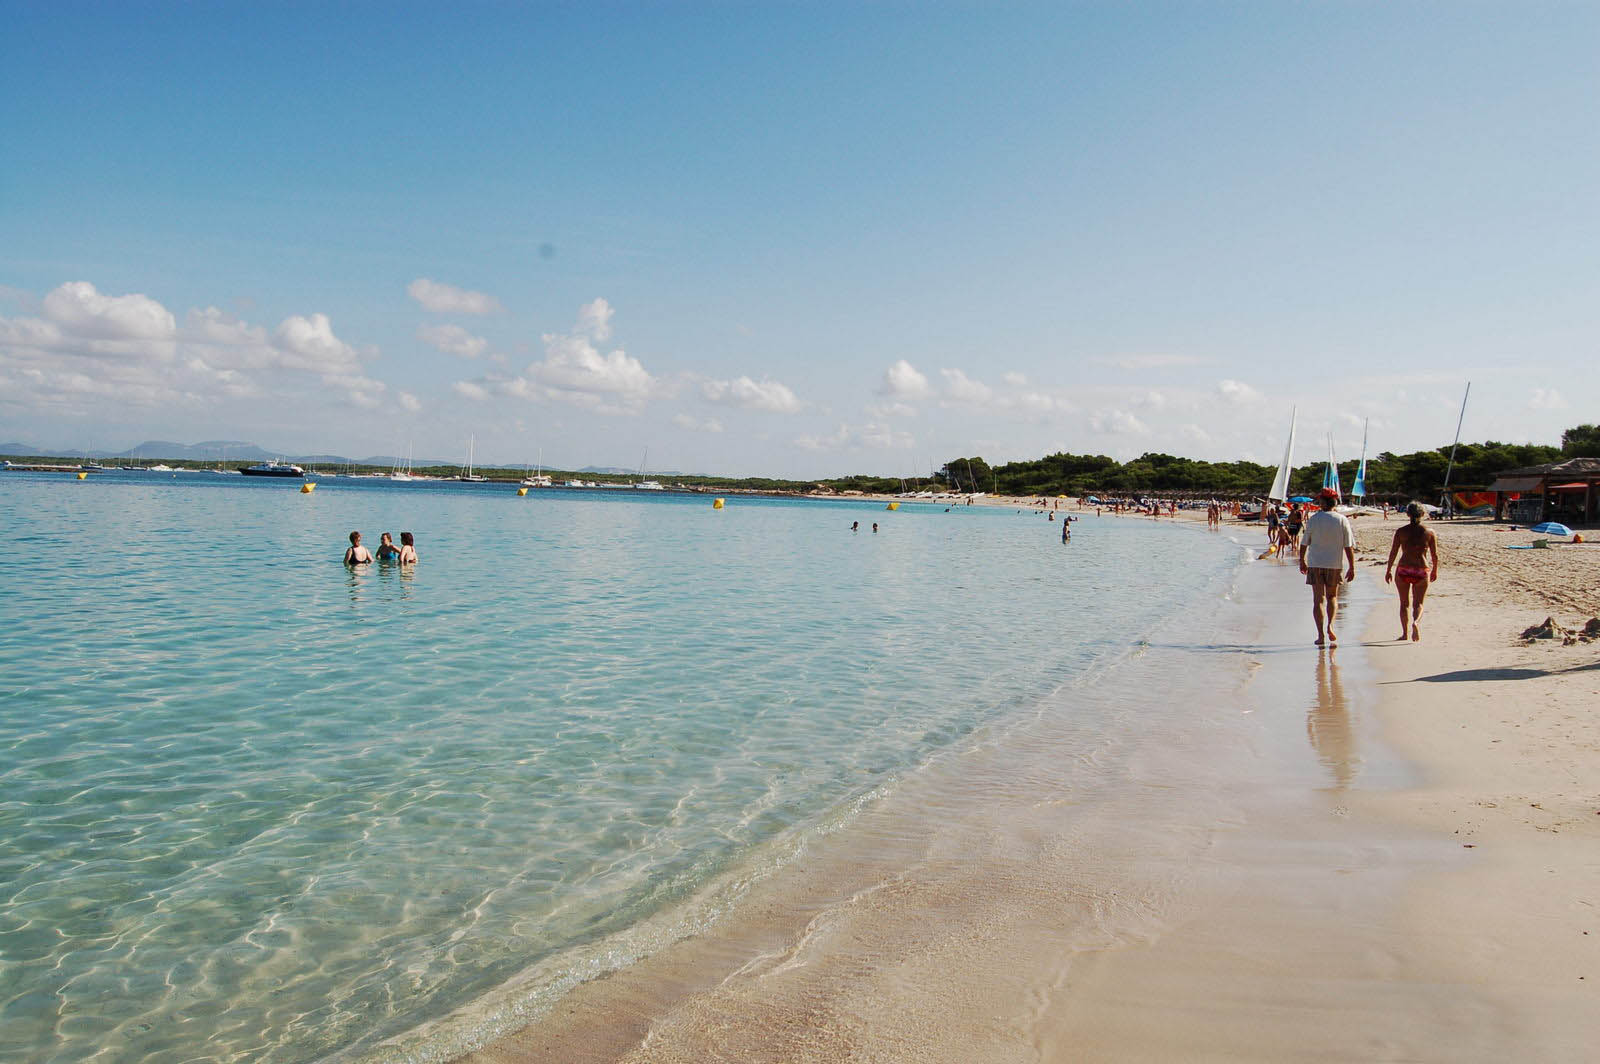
(801, 243)
(82, 349)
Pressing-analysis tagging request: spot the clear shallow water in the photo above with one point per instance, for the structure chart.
(256, 807)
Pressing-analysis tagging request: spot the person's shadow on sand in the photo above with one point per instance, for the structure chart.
(1473, 675)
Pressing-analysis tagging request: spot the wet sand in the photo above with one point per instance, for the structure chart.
(1383, 851)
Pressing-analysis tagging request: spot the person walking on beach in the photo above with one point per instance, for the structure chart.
(357, 554)
(1325, 537)
(1413, 545)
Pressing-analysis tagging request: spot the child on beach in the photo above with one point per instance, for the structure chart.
(1412, 546)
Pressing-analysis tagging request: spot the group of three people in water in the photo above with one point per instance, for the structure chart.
(404, 554)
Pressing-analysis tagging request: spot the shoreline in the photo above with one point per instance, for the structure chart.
(1339, 912)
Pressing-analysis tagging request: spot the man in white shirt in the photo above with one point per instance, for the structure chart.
(1325, 537)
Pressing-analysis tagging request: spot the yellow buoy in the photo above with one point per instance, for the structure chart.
(83, 476)
(716, 504)
(522, 491)
(308, 487)
(892, 506)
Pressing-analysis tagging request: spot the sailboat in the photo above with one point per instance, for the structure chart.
(469, 476)
(403, 474)
(1280, 482)
(1330, 476)
(541, 479)
(647, 485)
(1358, 490)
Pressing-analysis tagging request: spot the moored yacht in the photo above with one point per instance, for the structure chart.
(273, 469)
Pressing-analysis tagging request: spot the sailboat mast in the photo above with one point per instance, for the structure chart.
(1451, 465)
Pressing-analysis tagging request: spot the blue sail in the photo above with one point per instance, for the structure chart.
(1330, 479)
(1358, 490)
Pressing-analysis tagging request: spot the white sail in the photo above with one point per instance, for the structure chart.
(1280, 483)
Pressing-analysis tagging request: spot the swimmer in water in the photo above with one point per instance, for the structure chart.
(408, 549)
(357, 554)
(387, 551)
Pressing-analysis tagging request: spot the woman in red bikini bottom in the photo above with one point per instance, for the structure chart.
(1413, 546)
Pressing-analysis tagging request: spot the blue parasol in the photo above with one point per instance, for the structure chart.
(1552, 528)
(1301, 498)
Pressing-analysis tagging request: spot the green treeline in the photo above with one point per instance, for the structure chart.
(1417, 475)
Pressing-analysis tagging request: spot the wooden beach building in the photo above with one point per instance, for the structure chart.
(1567, 491)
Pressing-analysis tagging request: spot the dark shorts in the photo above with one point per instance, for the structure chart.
(1327, 578)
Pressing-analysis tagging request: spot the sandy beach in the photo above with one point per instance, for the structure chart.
(1386, 851)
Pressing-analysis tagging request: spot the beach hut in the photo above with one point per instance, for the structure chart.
(1567, 491)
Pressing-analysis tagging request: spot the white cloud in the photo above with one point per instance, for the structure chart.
(694, 424)
(408, 402)
(1194, 432)
(891, 410)
(1547, 399)
(884, 437)
(81, 310)
(310, 340)
(453, 340)
(960, 388)
(574, 371)
(1238, 392)
(594, 319)
(129, 349)
(831, 442)
(903, 381)
(1038, 403)
(1151, 400)
(1015, 380)
(765, 394)
(448, 299)
(1117, 423)
(1143, 362)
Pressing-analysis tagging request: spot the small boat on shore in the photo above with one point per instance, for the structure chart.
(273, 469)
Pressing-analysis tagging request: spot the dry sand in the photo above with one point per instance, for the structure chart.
(1321, 899)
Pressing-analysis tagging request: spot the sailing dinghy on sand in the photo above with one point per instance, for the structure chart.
(1280, 482)
(1358, 490)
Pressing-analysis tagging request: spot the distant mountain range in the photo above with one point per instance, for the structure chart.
(240, 451)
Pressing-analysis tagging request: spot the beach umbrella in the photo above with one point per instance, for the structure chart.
(1301, 498)
(1552, 528)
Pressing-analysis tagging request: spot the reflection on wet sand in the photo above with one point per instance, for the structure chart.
(1328, 724)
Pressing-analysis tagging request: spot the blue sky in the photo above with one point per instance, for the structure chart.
(797, 240)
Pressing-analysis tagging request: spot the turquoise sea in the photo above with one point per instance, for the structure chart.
(256, 807)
